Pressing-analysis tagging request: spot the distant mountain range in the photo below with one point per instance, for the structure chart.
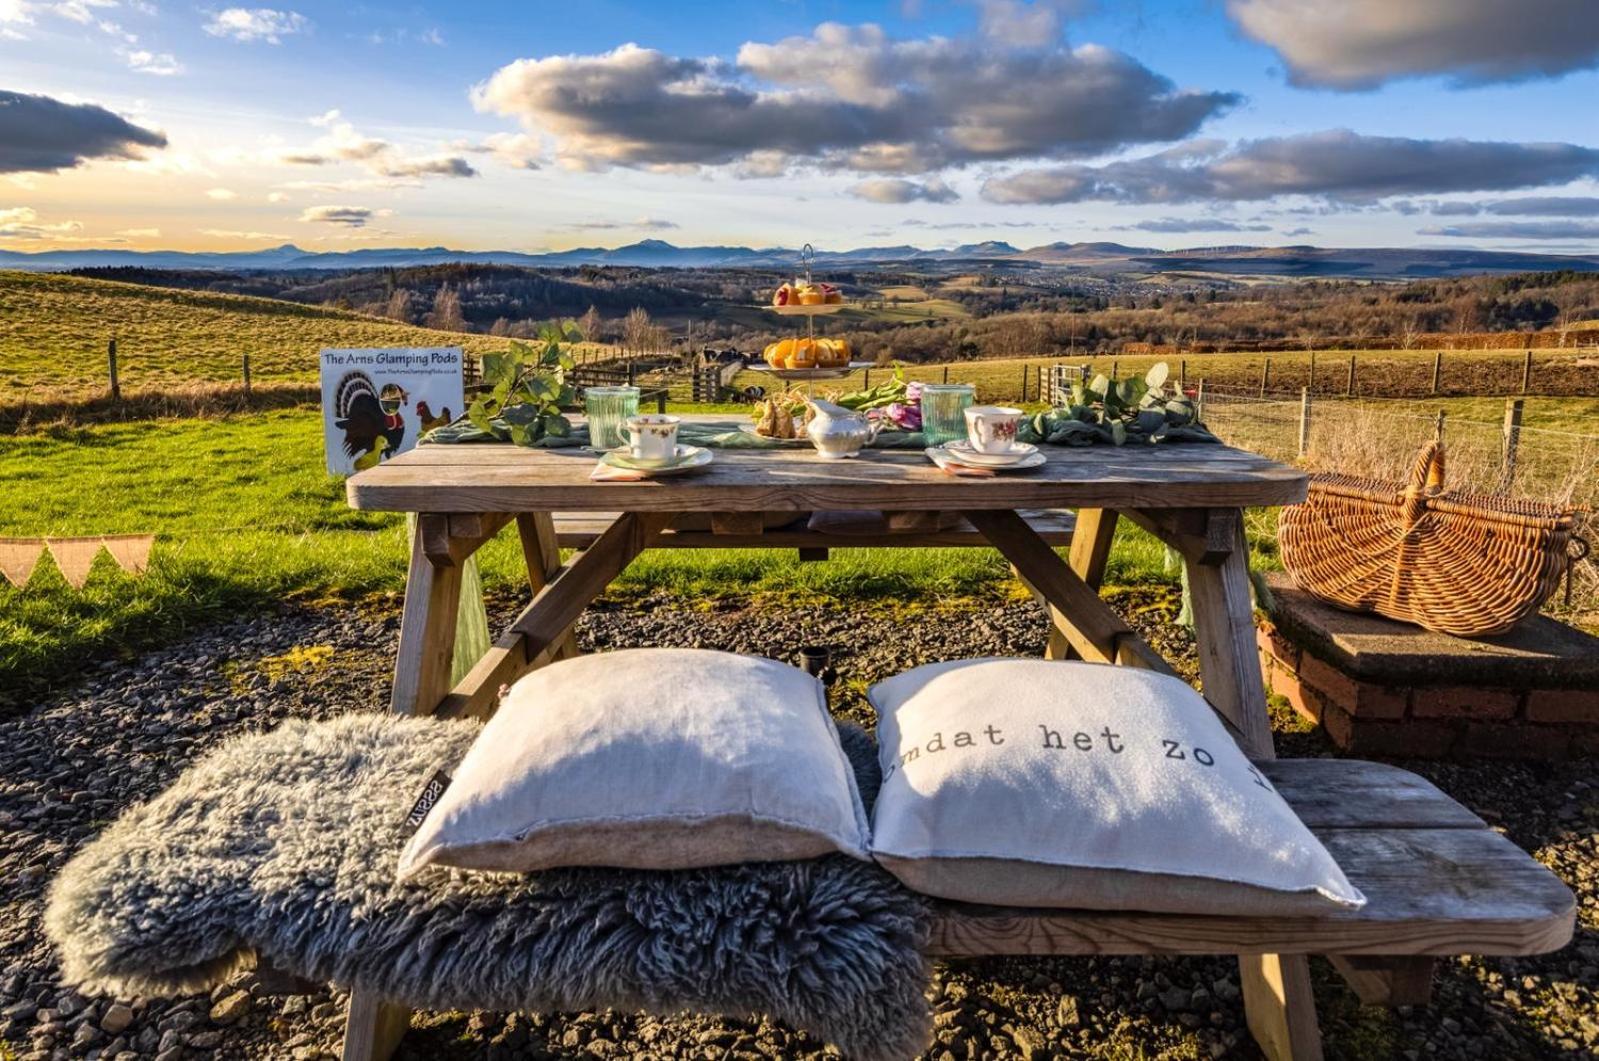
(1294, 261)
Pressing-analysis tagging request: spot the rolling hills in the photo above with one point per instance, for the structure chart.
(1289, 261)
(54, 330)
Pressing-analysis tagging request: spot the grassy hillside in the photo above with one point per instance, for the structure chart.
(54, 330)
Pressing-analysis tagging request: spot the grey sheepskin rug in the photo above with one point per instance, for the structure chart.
(285, 844)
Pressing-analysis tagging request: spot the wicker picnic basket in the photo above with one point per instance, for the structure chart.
(1465, 564)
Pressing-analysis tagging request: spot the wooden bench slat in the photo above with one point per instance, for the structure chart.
(1436, 879)
(1429, 891)
(1353, 794)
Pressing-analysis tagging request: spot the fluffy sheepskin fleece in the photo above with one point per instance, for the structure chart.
(285, 844)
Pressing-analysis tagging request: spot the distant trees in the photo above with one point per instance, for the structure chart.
(590, 325)
(446, 315)
(399, 306)
(640, 334)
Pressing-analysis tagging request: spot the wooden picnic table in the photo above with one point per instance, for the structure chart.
(1190, 496)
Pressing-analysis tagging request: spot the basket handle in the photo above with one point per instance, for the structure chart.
(1426, 481)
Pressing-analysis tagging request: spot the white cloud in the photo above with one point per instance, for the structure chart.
(140, 233)
(896, 190)
(517, 150)
(232, 233)
(14, 13)
(256, 24)
(81, 11)
(1534, 230)
(354, 184)
(343, 143)
(647, 224)
(1334, 164)
(847, 97)
(221, 195)
(348, 216)
(431, 36)
(1359, 44)
(22, 223)
(276, 197)
(164, 64)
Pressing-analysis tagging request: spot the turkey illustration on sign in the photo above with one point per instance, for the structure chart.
(377, 403)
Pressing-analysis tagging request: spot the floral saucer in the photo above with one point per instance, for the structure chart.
(963, 451)
(686, 459)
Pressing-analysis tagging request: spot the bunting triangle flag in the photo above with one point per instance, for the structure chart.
(130, 551)
(74, 556)
(18, 557)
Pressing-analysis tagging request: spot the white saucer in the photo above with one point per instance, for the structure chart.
(941, 456)
(687, 458)
(963, 451)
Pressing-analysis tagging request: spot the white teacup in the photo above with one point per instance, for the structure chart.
(652, 438)
(992, 428)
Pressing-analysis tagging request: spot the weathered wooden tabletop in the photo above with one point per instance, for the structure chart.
(491, 477)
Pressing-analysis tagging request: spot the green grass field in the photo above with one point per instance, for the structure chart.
(246, 518)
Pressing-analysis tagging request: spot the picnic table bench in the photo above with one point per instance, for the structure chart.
(1438, 880)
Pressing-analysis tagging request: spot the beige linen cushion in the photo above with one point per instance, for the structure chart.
(649, 759)
(1081, 785)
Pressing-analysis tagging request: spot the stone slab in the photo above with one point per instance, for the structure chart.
(1539, 653)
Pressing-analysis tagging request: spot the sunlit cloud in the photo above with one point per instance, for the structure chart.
(846, 97)
(221, 195)
(233, 233)
(22, 223)
(349, 216)
(256, 24)
(164, 64)
(1360, 44)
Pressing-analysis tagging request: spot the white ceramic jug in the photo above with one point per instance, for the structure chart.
(839, 432)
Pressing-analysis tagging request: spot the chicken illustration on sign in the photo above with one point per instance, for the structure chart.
(378, 403)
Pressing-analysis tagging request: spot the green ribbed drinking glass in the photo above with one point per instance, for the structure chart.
(944, 411)
(608, 410)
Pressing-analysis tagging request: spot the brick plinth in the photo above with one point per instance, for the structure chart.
(1383, 688)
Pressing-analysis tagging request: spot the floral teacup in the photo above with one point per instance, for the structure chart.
(992, 428)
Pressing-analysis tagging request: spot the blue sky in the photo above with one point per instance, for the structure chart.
(527, 126)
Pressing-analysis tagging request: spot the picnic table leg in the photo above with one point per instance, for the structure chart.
(1278, 1004)
(1090, 550)
(373, 1027)
(542, 555)
(1279, 1007)
(1224, 627)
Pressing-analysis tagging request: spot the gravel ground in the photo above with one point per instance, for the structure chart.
(128, 728)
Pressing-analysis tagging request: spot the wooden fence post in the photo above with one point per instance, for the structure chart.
(1114, 368)
(1265, 377)
(1024, 381)
(1182, 374)
(246, 377)
(1526, 372)
(1199, 401)
(1349, 386)
(866, 380)
(946, 373)
(1511, 442)
(1304, 420)
(1312, 382)
(111, 365)
(1437, 370)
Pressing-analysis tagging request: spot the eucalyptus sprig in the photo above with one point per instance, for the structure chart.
(527, 389)
(1139, 409)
